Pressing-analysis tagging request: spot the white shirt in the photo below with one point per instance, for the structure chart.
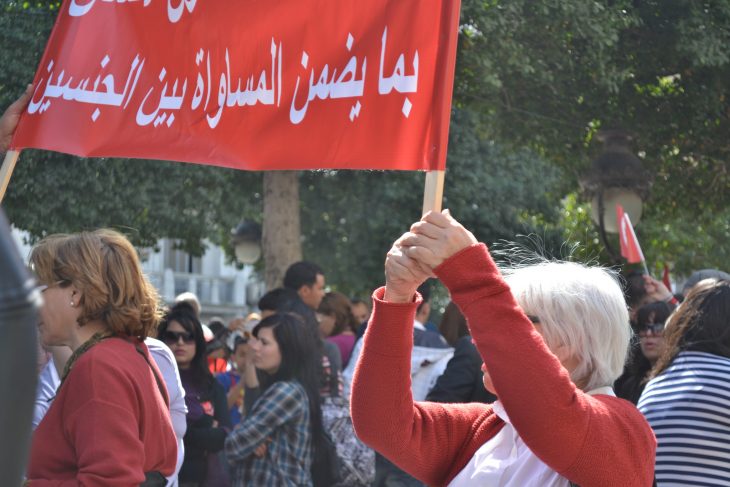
(427, 364)
(48, 382)
(162, 355)
(505, 460)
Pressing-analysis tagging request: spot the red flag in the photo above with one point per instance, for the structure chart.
(665, 278)
(630, 248)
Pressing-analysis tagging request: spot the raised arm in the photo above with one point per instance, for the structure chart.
(543, 404)
(425, 439)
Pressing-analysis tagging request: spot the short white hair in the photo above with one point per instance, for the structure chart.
(581, 308)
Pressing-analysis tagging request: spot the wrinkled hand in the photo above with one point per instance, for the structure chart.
(655, 289)
(403, 275)
(9, 120)
(435, 238)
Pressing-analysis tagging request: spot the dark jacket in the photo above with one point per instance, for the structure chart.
(462, 379)
(202, 437)
(428, 339)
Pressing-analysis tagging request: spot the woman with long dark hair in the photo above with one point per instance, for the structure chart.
(687, 402)
(208, 419)
(646, 350)
(278, 440)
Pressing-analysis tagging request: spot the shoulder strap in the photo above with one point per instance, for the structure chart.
(573, 484)
(160, 385)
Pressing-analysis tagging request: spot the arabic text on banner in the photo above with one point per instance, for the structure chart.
(291, 84)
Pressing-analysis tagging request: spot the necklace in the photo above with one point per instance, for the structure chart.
(96, 338)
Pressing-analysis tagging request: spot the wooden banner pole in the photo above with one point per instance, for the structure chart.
(11, 157)
(434, 191)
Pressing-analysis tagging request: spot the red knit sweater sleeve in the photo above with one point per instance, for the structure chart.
(430, 441)
(591, 440)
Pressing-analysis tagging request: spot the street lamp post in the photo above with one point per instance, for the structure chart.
(246, 238)
(616, 177)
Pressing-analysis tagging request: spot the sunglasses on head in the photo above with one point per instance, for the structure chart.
(655, 328)
(173, 337)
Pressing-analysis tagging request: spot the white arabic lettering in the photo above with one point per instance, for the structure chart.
(107, 96)
(346, 85)
(172, 101)
(78, 8)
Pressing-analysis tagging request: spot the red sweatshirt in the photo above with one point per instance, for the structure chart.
(107, 425)
(590, 440)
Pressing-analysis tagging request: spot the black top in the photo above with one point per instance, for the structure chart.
(202, 437)
(462, 379)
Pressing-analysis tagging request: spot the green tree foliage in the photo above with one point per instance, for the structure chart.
(549, 74)
(350, 219)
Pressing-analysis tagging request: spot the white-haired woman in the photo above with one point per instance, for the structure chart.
(553, 338)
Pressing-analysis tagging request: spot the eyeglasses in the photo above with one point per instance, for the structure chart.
(654, 328)
(45, 287)
(173, 337)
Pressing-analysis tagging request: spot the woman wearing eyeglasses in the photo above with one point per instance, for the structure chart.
(687, 401)
(553, 338)
(645, 352)
(108, 424)
(207, 419)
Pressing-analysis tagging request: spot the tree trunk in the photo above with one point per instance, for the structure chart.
(281, 236)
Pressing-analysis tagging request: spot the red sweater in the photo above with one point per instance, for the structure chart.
(107, 425)
(591, 440)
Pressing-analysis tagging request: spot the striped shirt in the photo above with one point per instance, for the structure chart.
(688, 407)
(280, 419)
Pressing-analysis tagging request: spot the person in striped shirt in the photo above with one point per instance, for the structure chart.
(687, 402)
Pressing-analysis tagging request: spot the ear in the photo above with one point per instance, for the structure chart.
(76, 295)
(424, 312)
(304, 290)
(568, 361)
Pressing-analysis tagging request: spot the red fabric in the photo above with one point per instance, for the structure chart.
(630, 248)
(591, 440)
(666, 279)
(107, 425)
(217, 365)
(291, 84)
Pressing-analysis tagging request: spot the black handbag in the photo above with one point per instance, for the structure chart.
(326, 463)
(153, 479)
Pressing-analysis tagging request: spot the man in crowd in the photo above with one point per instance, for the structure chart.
(307, 279)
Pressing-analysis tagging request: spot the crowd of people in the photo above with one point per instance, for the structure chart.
(523, 360)
(169, 400)
(549, 374)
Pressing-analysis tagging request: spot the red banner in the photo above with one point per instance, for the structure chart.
(288, 84)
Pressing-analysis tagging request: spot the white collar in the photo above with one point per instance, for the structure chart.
(506, 461)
